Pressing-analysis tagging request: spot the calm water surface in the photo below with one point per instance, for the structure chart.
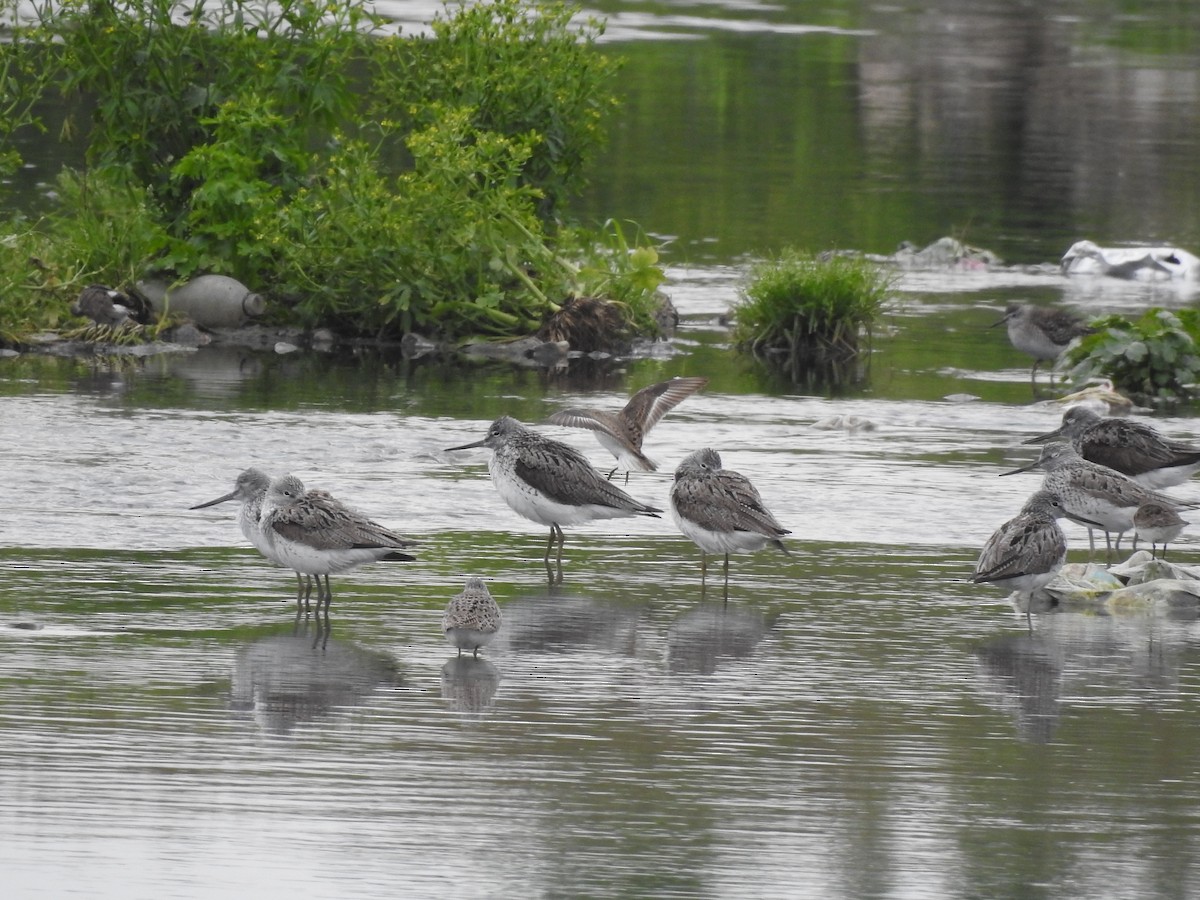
(856, 721)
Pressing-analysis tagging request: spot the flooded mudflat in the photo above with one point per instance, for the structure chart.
(857, 720)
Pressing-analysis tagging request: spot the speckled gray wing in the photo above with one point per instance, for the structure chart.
(724, 501)
(563, 474)
(591, 419)
(1026, 545)
(321, 522)
(1134, 448)
(1111, 487)
(1062, 327)
(650, 404)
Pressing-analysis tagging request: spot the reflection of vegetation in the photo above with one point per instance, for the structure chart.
(1154, 359)
(252, 140)
(810, 312)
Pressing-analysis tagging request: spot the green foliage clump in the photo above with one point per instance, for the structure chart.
(809, 307)
(373, 183)
(1154, 359)
(524, 71)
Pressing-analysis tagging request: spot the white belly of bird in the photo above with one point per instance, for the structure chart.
(1157, 479)
(625, 459)
(537, 507)
(312, 561)
(1026, 583)
(718, 541)
(469, 638)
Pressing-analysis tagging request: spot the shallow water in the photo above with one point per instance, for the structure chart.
(857, 719)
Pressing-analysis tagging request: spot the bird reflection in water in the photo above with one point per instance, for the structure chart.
(705, 635)
(558, 621)
(283, 680)
(1021, 674)
(469, 684)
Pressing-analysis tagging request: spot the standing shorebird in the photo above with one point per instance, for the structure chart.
(1132, 448)
(250, 490)
(551, 483)
(1092, 495)
(720, 510)
(315, 534)
(621, 433)
(1042, 332)
(1026, 552)
(1156, 523)
(472, 618)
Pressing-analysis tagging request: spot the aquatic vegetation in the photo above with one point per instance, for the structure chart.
(809, 310)
(369, 182)
(1154, 358)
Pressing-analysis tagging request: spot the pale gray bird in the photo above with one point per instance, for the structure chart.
(1042, 332)
(250, 490)
(1133, 448)
(314, 534)
(1092, 495)
(720, 510)
(551, 483)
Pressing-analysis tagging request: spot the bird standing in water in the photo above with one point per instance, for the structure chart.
(720, 510)
(313, 533)
(472, 618)
(551, 483)
(1133, 448)
(1042, 332)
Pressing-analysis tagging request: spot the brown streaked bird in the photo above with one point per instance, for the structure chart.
(621, 433)
(1042, 332)
(1156, 523)
(1026, 552)
(720, 510)
(472, 618)
(1133, 448)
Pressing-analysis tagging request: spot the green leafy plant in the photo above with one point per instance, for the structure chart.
(805, 307)
(525, 70)
(1155, 358)
(623, 269)
(372, 183)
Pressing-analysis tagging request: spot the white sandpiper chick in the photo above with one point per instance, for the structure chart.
(472, 618)
(551, 483)
(1042, 332)
(313, 533)
(1026, 552)
(720, 510)
(1156, 523)
(621, 433)
(1133, 448)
